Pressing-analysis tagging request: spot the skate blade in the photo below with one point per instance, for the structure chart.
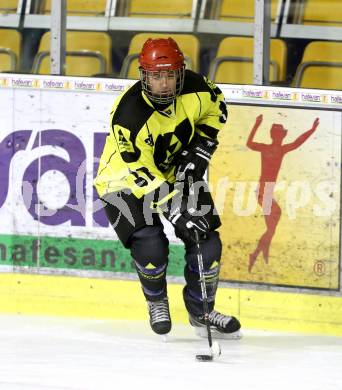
(202, 332)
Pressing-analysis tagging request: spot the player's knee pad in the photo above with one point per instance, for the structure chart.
(149, 249)
(149, 244)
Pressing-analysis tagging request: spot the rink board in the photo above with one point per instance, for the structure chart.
(52, 134)
(69, 296)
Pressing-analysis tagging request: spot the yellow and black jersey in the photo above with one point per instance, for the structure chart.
(144, 140)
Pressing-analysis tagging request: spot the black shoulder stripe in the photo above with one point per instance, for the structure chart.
(132, 111)
(194, 82)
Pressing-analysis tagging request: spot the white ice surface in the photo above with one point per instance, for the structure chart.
(40, 353)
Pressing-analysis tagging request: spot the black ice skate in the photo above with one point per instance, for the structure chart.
(222, 326)
(160, 320)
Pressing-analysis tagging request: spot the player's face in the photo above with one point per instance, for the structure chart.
(162, 83)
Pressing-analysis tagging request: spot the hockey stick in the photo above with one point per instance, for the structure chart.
(205, 301)
(214, 349)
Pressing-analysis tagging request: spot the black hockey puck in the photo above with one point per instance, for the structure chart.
(204, 358)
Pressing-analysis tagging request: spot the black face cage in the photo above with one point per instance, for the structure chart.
(163, 97)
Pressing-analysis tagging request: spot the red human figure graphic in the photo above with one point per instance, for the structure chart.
(271, 159)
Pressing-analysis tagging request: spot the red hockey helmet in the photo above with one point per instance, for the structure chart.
(161, 56)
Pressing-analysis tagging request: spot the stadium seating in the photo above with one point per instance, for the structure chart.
(88, 53)
(158, 9)
(321, 66)
(322, 13)
(10, 49)
(239, 10)
(78, 7)
(306, 20)
(187, 42)
(8, 6)
(234, 61)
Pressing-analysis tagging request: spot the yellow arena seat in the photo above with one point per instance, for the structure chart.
(10, 50)
(188, 43)
(323, 51)
(87, 53)
(321, 66)
(159, 9)
(79, 7)
(322, 13)
(322, 75)
(241, 10)
(234, 61)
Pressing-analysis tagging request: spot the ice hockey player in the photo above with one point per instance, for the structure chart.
(163, 130)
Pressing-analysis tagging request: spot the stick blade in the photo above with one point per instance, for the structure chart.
(204, 358)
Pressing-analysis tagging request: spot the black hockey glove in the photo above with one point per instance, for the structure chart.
(195, 158)
(185, 223)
